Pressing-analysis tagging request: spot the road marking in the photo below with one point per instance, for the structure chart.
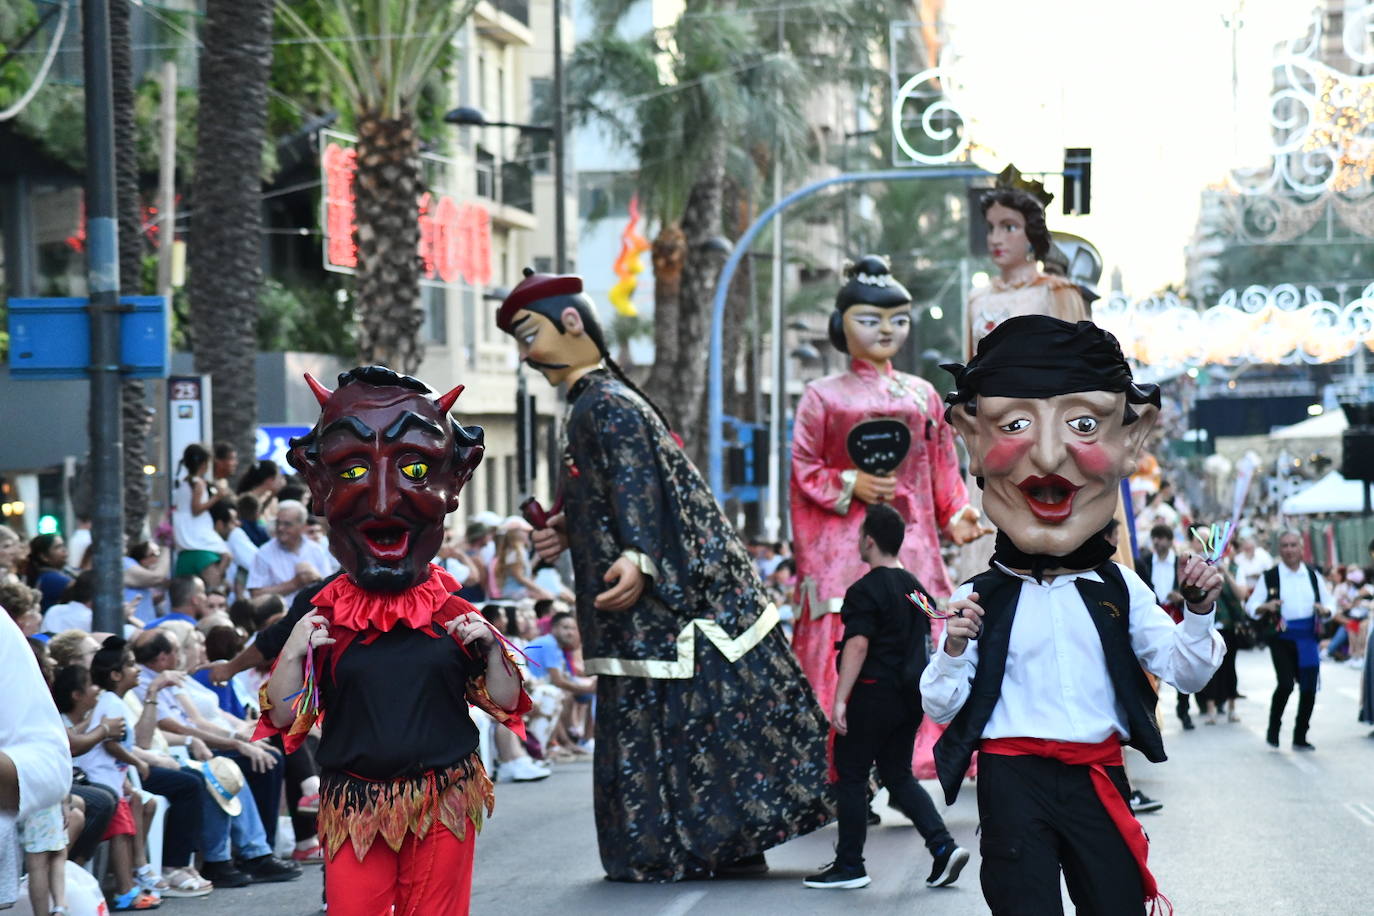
(1363, 813)
(682, 905)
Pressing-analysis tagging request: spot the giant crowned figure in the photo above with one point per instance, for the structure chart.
(867, 435)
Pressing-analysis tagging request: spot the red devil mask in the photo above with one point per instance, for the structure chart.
(385, 464)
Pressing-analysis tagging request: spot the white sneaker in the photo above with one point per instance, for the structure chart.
(521, 769)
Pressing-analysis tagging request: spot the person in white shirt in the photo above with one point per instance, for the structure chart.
(1251, 560)
(1293, 598)
(35, 760)
(1039, 667)
(78, 543)
(290, 561)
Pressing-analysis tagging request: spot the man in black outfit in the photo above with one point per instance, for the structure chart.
(878, 707)
(1158, 565)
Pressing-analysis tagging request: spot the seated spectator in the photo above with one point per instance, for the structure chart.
(250, 523)
(200, 550)
(187, 598)
(114, 670)
(73, 612)
(547, 577)
(554, 657)
(12, 552)
(72, 647)
(290, 561)
(145, 579)
(242, 551)
(458, 560)
(511, 574)
(47, 567)
(97, 731)
(21, 603)
(263, 480)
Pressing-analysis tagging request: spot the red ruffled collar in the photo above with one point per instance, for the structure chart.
(353, 607)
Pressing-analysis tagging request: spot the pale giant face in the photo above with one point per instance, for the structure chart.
(1052, 467)
(875, 333)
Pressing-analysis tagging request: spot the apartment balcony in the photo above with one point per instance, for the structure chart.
(509, 186)
(505, 21)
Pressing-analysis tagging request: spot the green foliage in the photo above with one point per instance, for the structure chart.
(312, 318)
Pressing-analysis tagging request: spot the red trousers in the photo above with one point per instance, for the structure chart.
(429, 877)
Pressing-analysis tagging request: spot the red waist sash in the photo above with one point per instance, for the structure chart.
(1096, 757)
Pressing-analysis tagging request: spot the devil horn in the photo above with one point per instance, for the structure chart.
(321, 393)
(446, 401)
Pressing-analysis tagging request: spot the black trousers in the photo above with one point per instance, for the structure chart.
(100, 807)
(1038, 816)
(882, 730)
(1284, 654)
(181, 829)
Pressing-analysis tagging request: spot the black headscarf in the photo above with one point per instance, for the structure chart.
(1036, 356)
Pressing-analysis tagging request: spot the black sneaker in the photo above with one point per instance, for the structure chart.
(224, 874)
(839, 878)
(1303, 746)
(268, 869)
(1272, 739)
(1143, 804)
(947, 866)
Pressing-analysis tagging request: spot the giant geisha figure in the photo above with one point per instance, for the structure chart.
(710, 747)
(388, 660)
(870, 434)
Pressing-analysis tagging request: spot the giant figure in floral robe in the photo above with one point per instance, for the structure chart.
(710, 747)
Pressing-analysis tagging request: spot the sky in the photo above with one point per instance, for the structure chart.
(1146, 85)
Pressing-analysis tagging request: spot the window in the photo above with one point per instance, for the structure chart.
(434, 306)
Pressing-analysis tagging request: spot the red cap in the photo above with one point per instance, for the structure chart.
(533, 288)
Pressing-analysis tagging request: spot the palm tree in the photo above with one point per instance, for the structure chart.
(136, 419)
(383, 52)
(225, 251)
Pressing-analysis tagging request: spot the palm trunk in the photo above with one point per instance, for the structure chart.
(386, 188)
(226, 213)
(669, 252)
(135, 417)
(739, 213)
(701, 221)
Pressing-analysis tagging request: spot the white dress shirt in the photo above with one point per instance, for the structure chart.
(1056, 684)
(1162, 574)
(274, 564)
(1295, 594)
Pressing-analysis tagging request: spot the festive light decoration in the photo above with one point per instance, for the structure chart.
(628, 265)
(1259, 325)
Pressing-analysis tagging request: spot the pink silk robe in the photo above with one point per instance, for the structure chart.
(826, 517)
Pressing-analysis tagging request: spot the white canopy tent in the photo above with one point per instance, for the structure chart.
(1333, 493)
(1328, 425)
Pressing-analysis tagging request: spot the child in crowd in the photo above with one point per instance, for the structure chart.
(877, 706)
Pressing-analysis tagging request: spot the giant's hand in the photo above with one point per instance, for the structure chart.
(871, 489)
(551, 541)
(967, 526)
(629, 585)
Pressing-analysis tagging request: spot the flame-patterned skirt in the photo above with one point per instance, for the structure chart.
(357, 809)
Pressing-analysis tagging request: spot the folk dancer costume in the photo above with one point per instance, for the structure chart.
(826, 515)
(1052, 686)
(402, 789)
(710, 747)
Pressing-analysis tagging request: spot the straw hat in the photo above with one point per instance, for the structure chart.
(224, 782)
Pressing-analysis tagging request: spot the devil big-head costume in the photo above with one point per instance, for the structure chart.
(709, 745)
(1053, 684)
(402, 789)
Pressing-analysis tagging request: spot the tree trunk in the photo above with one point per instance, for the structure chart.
(137, 421)
(738, 214)
(701, 221)
(386, 190)
(669, 252)
(225, 255)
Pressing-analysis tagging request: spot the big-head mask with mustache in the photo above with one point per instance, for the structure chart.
(1053, 422)
(385, 464)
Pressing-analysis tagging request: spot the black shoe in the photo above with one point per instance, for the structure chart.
(1272, 739)
(224, 874)
(1143, 804)
(747, 865)
(268, 869)
(839, 878)
(1303, 746)
(1187, 722)
(947, 866)
(874, 818)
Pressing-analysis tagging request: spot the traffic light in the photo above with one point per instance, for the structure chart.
(1078, 171)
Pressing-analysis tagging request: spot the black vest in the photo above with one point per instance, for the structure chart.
(1109, 605)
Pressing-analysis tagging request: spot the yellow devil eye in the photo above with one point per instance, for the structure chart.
(415, 470)
(353, 473)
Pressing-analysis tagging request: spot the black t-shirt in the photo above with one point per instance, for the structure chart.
(396, 707)
(877, 607)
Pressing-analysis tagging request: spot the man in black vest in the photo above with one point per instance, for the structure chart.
(1294, 598)
(1159, 566)
(1041, 666)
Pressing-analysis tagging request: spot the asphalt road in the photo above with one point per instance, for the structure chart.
(1244, 829)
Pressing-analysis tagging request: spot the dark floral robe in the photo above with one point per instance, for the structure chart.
(710, 745)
